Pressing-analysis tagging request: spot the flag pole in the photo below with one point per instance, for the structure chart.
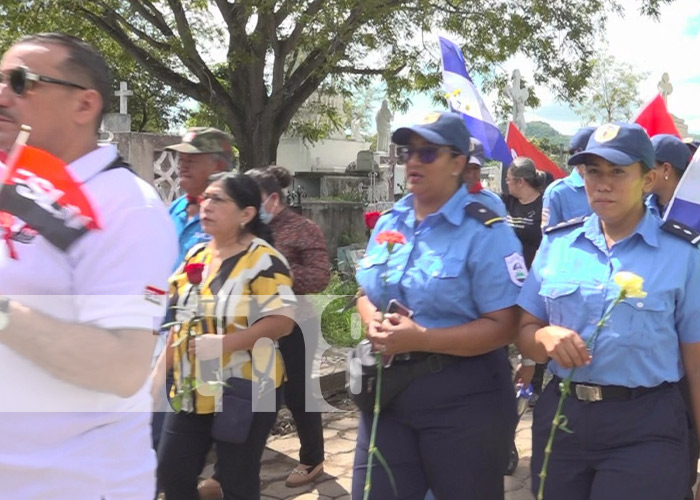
(16, 148)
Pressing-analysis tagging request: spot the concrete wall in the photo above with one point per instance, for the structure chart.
(341, 222)
(297, 156)
(140, 150)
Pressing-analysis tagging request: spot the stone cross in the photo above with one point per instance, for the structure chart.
(123, 94)
(519, 95)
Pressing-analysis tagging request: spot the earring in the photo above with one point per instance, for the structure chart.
(665, 177)
(242, 225)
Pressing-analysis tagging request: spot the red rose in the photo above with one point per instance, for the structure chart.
(371, 219)
(194, 272)
(391, 237)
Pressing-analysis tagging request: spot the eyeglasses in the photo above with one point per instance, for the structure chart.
(214, 198)
(21, 80)
(426, 154)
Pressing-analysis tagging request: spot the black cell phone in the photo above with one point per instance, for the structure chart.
(396, 307)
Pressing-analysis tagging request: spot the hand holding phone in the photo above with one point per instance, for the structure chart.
(396, 307)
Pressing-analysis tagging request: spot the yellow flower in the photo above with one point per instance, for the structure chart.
(631, 284)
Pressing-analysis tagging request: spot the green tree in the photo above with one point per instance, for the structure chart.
(611, 94)
(257, 61)
(153, 107)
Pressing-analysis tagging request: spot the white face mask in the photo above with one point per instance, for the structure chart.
(265, 216)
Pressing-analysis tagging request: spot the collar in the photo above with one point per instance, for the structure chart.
(574, 179)
(90, 164)
(647, 229)
(452, 210)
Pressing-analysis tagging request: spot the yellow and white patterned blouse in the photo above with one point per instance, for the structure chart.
(247, 286)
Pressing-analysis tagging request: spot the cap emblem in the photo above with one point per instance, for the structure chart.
(431, 118)
(607, 132)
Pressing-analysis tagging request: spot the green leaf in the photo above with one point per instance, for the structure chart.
(384, 463)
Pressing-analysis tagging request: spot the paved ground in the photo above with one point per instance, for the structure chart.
(280, 457)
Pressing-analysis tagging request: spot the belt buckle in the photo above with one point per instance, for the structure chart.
(589, 393)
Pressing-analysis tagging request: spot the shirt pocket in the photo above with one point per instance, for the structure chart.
(445, 291)
(564, 303)
(636, 320)
(370, 274)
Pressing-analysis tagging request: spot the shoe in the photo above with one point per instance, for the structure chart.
(304, 474)
(210, 489)
(512, 461)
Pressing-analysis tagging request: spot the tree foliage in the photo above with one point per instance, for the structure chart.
(255, 62)
(611, 94)
(153, 106)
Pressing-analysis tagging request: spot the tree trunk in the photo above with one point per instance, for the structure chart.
(257, 145)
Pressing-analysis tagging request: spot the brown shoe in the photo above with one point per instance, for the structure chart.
(210, 489)
(304, 474)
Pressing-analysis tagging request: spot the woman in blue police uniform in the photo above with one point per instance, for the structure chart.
(460, 272)
(629, 424)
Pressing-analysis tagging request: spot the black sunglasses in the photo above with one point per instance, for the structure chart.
(426, 154)
(21, 80)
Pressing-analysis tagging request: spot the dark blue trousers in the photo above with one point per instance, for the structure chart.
(449, 431)
(633, 449)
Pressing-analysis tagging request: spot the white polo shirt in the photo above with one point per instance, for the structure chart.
(58, 440)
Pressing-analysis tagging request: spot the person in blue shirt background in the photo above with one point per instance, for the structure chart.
(459, 271)
(204, 151)
(672, 158)
(625, 411)
(565, 198)
(472, 179)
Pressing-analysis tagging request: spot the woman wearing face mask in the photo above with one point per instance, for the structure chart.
(302, 242)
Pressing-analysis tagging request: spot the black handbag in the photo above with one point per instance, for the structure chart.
(361, 374)
(240, 400)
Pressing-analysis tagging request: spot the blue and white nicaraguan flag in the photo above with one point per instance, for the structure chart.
(685, 204)
(465, 99)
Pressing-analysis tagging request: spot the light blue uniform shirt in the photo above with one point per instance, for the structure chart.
(453, 268)
(652, 201)
(491, 200)
(564, 199)
(571, 285)
(189, 231)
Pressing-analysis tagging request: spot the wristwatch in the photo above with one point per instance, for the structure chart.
(4, 312)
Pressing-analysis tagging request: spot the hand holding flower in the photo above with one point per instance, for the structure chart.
(206, 347)
(401, 334)
(564, 346)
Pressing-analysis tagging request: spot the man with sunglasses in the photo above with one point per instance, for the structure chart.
(76, 323)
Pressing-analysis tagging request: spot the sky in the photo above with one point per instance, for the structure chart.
(669, 45)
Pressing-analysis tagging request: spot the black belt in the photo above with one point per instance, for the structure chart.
(426, 362)
(592, 392)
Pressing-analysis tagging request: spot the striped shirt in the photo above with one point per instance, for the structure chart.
(246, 287)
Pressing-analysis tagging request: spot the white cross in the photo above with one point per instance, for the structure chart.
(123, 93)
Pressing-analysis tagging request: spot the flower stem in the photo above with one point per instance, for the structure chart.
(559, 420)
(375, 421)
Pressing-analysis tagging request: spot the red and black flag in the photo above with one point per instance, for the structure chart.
(38, 189)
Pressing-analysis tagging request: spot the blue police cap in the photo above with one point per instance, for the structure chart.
(620, 144)
(580, 140)
(669, 148)
(439, 127)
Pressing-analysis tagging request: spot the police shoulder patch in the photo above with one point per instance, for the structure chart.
(682, 231)
(576, 221)
(482, 213)
(517, 270)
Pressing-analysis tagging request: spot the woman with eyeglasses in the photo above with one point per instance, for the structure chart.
(458, 273)
(243, 293)
(627, 422)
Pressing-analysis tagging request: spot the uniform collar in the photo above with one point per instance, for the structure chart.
(647, 229)
(452, 210)
(574, 179)
(92, 163)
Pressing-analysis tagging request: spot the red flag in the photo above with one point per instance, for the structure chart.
(520, 146)
(38, 189)
(655, 118)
